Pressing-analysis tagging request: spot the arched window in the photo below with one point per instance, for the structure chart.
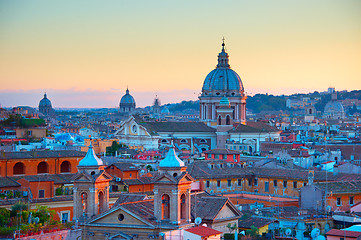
(203, 141)
(165, 207)
(65, 167)
(310, 112)
(43, 167)
(228, 120)
(164, 141)
(101, 201)
(219, 120)
(19, 168)
(183, 206)
(183, 141)
(84, 203)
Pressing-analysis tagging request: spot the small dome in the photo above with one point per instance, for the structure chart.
(45, 102)
(127, 98)
(90, 159)
(224, 102)
(165, 110)
(171, 160)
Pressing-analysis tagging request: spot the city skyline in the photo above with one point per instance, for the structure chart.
(86, 55)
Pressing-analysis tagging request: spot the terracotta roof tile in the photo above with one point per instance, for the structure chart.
(203, 231)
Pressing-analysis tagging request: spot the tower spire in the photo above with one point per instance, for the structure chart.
(223, 57)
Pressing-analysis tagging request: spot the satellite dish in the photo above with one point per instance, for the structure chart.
(243, 233)
(315, 233)
(288, 232)
(198, 220)
(257, 211)
(204, 224)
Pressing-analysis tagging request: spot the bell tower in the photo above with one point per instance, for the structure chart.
(91, 187)
(172, 191)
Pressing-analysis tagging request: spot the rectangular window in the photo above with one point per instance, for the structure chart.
(249, 182)
(338, 201)
(229, 182)
(130, 175)
(64, 217)
(294, 184)
(284, 184)
(209, 155)
(256, 181)
(266, 186)
(216, 156)
(351, 201)
(239, 182)
(218, 183)
(304, 184)
(275, 183)
(208, 184)
(41, 193)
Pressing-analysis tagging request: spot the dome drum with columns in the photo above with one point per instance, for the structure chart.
(219, 83)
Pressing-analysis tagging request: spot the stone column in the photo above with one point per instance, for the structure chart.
(75, 204)
(174, 207)
(92, 201)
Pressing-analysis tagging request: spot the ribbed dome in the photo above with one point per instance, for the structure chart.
(90, 159)
(127, 98)
(45, 102)
(223, 78)
(171, 160)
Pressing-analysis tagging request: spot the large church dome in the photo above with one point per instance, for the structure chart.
(45, 106)
(127, 103)
(222, 80)
(45, 102)
(127, 98)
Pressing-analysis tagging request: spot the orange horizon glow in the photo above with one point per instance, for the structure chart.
(159, 46)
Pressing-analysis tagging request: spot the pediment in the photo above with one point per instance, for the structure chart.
(82, 177)
(186, 178)
(165, 178)
(121, 217)
(104, 176)
(227, 211)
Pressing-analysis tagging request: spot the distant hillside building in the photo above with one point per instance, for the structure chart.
(45, 106)
(127, 103)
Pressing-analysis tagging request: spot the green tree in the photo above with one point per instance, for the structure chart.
(4, 216)
(254, 232)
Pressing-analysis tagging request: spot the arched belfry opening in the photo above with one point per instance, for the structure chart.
(165, 207)
(84, 203)
(183, 210)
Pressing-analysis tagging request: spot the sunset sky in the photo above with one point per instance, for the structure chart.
(86, 53)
